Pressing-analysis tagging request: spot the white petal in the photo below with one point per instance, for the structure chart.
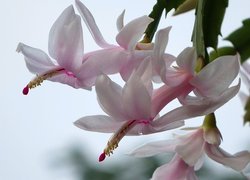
(65, 40)
(98, 123)
(161, 40)
(191, 148)
(132, 32)
(91, 24)
(110, 98)
(237, 161)
(198, 108)
(36, 60)
(177, 169)
(245, 77)
(215, 78)
(154, 148)
(137, 101)
(119, 22)
(187, 59)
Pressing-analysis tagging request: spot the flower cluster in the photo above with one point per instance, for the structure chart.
(136, 108)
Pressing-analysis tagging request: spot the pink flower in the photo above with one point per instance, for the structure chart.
(80, 70)
(129, 108)
(65, 46)
(210, 85)
(191, 149)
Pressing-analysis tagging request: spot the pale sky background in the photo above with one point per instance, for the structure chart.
(34, 127)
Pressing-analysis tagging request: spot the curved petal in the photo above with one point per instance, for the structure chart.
(154, 148)
(245, 77)
(67, 78)
(110, 97)
(36, 60)
(176, 169)
(119, 22)
(65, 40)
(191, 148)
(98, 123)
(132, 32)
(186, 60)
(161, 40)
(215, 78)
(136, 99)
(237, 161)
(202, 107)
(91, 24)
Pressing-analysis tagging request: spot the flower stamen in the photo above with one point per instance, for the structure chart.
(116, 138)
(40, 78)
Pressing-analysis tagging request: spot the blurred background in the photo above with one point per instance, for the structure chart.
(37, 137)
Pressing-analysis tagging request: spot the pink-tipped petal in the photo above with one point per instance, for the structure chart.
(91, 24)
(132, 32)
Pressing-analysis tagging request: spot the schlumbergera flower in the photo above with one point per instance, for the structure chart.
(79, 70)
(130, 108)
(189, 153)
(145, 107)
(210, 85)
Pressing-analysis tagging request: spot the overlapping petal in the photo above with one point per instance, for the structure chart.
(36, 60)
(65, 40)
(215, 77)
(91, 24)
(237, 161)
(132, 32)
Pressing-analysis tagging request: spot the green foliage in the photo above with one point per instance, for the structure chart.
(223, 51)
(240, 38)
(209, 17)
(156, 14)
(213, 16)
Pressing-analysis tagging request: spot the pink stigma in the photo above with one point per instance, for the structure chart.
(102, 157)
(26, 90)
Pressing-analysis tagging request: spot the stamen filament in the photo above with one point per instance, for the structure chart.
(40, 78)
(116, 138)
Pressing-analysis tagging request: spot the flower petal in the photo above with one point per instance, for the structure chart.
(191, 148)
(215, 78)
(98, 123)
(65, 40)
(198, 108)
(119, 22)
(161, 40)
(237, 161)
(110, 98)
(154, 148)
(136, 99)
(132, 32)
(91, 24)
(176, 169)
(186, 60)
(36, 60)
